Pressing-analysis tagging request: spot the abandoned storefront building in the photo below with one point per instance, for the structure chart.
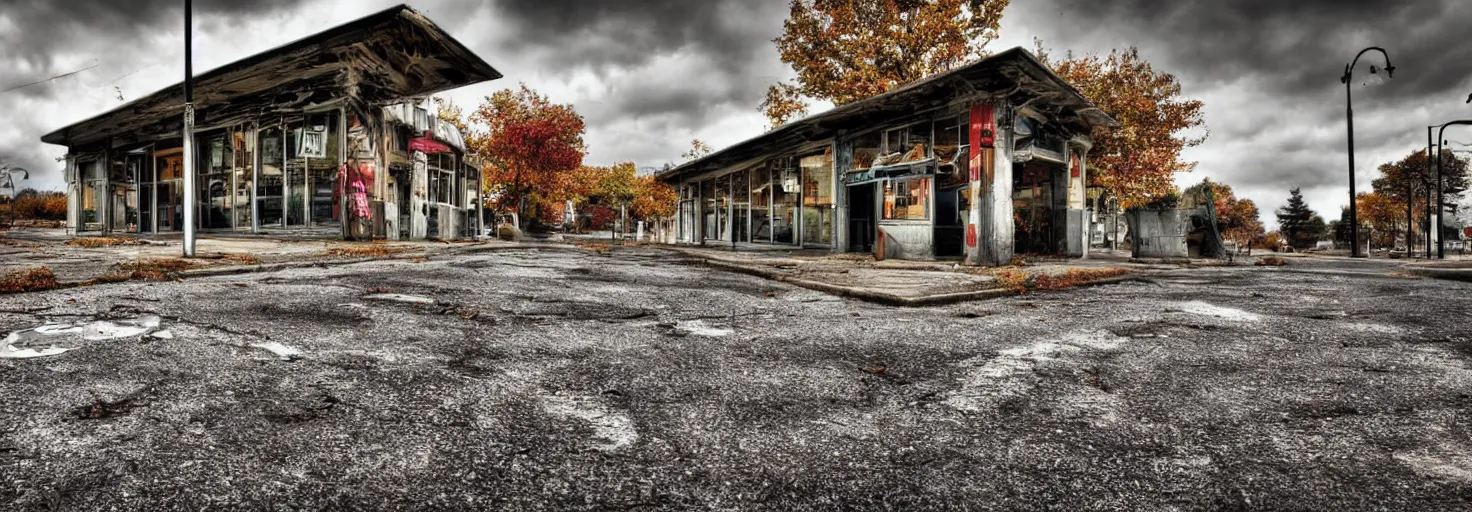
(979, 162)
(330, 135)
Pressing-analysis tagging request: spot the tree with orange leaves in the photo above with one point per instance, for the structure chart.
(845, 50)
(1138, 160)
(532, 145)
(653, 199)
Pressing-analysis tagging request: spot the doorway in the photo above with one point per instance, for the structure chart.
(1036, 220)
(861, 218)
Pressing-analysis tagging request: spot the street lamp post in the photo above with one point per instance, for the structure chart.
(1354, 240)
(8, 173)
(1440, 202)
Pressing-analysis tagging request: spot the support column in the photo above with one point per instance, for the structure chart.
(989, 230)
(1078, 214)
(843, 161)
(419, 198)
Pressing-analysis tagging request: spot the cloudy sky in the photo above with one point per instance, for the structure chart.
(650, 75)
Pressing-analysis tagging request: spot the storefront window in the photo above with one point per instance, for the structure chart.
(761, 204)
(817, 198)
(907, 199)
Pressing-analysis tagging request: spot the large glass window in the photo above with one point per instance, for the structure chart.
(817, 198)
(785, 189)
(271, 179)
(907, 199)
(761, 204)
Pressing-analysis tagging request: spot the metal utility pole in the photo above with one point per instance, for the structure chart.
(188, 132)
(1354, 232)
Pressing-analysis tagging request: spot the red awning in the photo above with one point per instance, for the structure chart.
(428, 145)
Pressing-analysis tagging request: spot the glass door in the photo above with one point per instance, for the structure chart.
(216, 158)
(295, 188)
(169, 204)
(741, 206)
(817, 198)
(321, 154)
(784, 201)
(270, 178)
(761, 204)
(242, 172)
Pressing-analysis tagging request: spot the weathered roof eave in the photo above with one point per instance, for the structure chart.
(476, 65)
(1086, 109)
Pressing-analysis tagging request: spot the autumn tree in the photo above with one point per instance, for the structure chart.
(532, 145)
(1410, 175)
(844, 50)
(1300, 226)
(1138, 160)
(784, 103)
(1381, 216)
(653, 199)
(698, 149)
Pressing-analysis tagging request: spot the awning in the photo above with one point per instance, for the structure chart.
(428, 145)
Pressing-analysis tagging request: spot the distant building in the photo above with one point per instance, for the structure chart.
(983, 161)
(332, 134)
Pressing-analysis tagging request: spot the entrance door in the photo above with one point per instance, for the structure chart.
(296, 191)
(1033, 196)
(169, 205)
(861, 218)
(216, 159)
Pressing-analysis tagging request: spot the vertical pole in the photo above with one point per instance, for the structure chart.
(1425, 180)
(1410, 208)
(1440, 206)
(188, 131)
(1354, 231)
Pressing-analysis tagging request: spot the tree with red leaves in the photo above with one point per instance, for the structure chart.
(532, 144)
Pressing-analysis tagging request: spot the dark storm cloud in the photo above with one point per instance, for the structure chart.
(41, 29)
(1301, 44)
(615, 33)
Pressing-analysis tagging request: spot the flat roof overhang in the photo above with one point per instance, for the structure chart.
(393, 54)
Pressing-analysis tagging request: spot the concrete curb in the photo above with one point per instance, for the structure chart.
(890, 299)
(1450, 274)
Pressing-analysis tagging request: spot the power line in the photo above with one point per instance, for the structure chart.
(63, 75)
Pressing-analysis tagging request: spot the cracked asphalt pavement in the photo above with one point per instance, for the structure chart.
(559, 379)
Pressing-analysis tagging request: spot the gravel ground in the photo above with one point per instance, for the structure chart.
(555, 379)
